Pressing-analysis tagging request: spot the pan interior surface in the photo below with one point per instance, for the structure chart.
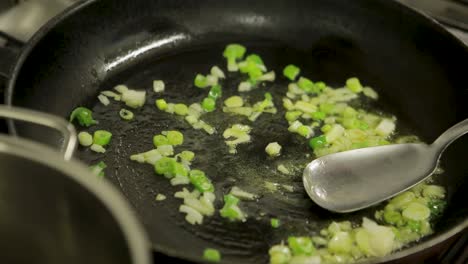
(416, 68)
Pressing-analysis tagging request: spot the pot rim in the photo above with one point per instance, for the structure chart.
(133, 231)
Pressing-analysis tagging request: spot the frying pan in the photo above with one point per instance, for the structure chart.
(418, 68)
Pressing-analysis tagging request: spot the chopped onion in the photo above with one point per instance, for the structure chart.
(217, 72)
(134, 98)
(236, 191)
(273, 149)
(104, 100)
(97, 148)
(386, 127)
(244, 87)
(158, 86)
(269, 77)
(121, 88)
(85, 139)
(160, 197)
(111, 95)
(193, 216)
(281, 168)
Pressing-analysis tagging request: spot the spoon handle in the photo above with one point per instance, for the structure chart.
(453, 133)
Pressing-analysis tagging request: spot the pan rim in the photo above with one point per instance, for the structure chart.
(49, 26)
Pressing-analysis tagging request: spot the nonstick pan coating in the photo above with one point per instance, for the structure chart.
(415, 65)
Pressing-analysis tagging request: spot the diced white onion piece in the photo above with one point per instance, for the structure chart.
(245, 111)
(416, 211)
(294, 126)
(288, 188)
(281, 168)
(305, 107)
(335, 132)
(204, 209)
(103, 99)
(381, 238)
(294, 89)
(193, 216)
(121, 88)
(133, 98)
(244, 87)
(211, 80)
(166, 150)
(241, 194)
(160, 197)
(254, 116)
(85, 139)
(268, 77)
(180, 180)
(97, 148)
(170, 108)
(385, 127)
(434, 191)
(158, 86)
(209, 196)
(288, 104)
(234, 101)
(138, 158)
(216, 71)
(111, 94)
(273, 149)
(371, 93)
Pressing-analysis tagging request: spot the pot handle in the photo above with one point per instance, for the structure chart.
(65, 128)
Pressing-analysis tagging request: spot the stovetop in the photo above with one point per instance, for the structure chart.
(22, 18)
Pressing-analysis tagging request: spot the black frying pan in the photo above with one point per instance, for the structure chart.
(418, 68)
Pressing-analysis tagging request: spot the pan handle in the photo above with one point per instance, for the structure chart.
(65, 128)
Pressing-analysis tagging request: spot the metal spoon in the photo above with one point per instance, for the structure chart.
(356, 179)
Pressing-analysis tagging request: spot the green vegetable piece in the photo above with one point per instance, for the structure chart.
(84, 116)
(341, 242)
(416, 211)
(292, 116)
(165, 166)
(211, 255)
(160, 140)
(320, 86)
(318, 115)
(413, 225)
(230, 209)
(304, 131)
(181, 109)
(85, 139)
(235, 51)
(209, 104)
(393, 217)
(161, 104)
(232, 52)
(291, 72)
(354, 85)
(275, 222)
(326, 128)
(306, 84)
(301, 245)
(437, 207)
(126, 114)
(255, 59)
(234, 101)
(187, 155)
(98, 169)
(215, 92)
(200, 81)
(349, 112)
(318, 142)
(327, 108)
(200, 181)
(102, 137)
(179, 170)
(175, 138)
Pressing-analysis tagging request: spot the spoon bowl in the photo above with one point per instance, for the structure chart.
(356, 179)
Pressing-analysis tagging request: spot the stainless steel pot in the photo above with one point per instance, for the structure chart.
(53, 210)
